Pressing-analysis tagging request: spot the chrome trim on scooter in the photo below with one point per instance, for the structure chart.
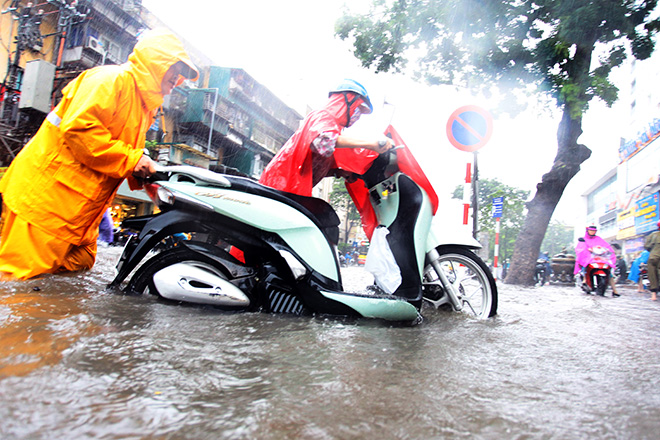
(196, 174)
(297, 268)
(449, 287)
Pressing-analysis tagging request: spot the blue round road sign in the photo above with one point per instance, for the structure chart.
(469, 128)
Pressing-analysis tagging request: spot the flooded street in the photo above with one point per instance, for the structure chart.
(77, 362)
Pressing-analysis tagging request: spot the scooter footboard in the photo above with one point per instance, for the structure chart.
(380, 307)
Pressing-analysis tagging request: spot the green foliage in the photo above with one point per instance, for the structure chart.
(513, 213)
(558, 238)
(506, 44)
(510, 49)
(341, 201)
(152, 146)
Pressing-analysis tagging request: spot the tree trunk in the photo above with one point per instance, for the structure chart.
(347, 224)
(566, 165)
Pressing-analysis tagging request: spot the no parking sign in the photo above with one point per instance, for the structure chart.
(469, 128)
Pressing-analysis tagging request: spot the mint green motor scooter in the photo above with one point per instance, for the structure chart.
(250, 247)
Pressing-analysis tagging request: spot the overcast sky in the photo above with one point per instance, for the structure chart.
(289, 47)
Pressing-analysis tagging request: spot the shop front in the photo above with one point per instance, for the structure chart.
(129, 203)
(636, 222)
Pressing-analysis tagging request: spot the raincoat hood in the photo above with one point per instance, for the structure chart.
(590, 238)
(337, 109)
(155, 52)
(66, 176)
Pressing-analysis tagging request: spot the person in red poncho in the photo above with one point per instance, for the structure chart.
(310, 155)
(307, 157)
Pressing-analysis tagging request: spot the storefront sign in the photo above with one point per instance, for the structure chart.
(646, 214)
(625, 221)
(633, 245)
(631, 147)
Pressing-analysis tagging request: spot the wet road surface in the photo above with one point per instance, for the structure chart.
(77, 362)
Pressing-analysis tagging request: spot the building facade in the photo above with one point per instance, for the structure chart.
(624, 202)
(225, 121)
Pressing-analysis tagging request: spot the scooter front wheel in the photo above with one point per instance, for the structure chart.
(469, 277)
(601, 284)
(187, 276)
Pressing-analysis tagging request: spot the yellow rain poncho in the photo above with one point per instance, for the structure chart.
(62, 181)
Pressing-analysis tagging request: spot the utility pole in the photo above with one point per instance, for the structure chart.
(475, 198)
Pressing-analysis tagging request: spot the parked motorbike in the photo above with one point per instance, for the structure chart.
(562, 266)
(256, 248)
(540, 274)
(595, 277)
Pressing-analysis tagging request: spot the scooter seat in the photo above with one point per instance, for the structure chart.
(318, 210)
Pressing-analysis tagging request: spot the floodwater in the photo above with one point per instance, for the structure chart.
(79, 363)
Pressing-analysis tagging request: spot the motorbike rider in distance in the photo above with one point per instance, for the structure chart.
(308, 157)
(583, 253)
(543, 268)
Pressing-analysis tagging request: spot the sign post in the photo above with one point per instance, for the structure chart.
(466, 193)
(498, 205)
(469, 128)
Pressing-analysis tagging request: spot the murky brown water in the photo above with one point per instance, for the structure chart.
(76, 362)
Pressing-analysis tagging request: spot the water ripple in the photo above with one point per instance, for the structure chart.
(79, 362)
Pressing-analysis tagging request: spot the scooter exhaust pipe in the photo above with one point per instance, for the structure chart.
(191, 283)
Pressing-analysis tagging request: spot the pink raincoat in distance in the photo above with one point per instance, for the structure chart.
(583, 255)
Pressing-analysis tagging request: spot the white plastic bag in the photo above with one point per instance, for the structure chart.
(381, 263)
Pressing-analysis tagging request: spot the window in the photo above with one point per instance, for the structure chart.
(603, 199)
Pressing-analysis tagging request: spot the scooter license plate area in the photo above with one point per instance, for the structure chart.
(385, 200)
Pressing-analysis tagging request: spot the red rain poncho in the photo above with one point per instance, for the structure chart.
(358, 161)
(291, 168)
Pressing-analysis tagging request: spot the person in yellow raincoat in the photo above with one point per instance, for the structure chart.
(58, 187)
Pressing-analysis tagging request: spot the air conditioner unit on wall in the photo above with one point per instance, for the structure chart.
(95, 45)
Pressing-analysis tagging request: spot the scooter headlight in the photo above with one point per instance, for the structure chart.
(165, 195)
(159, 194)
